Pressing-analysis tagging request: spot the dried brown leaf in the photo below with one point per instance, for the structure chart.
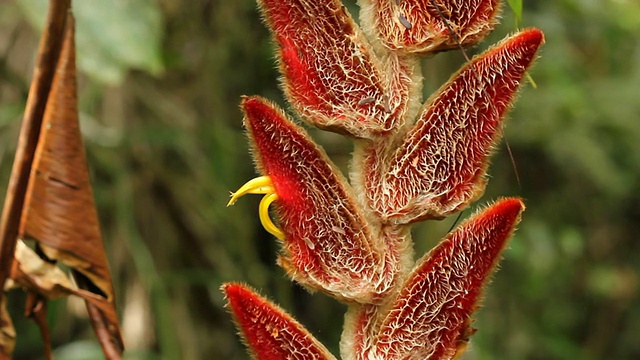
(46, 279)
(48, 52)
(59, 211)
(7, 331)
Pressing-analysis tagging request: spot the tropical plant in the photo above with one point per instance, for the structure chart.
(412, 161)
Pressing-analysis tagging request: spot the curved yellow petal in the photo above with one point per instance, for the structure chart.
(261, 185)
(264, 215)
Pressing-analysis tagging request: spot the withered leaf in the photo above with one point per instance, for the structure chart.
(7, 331)
(59, 211)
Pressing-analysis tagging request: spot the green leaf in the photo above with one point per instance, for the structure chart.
(516, 7)
(112, 37)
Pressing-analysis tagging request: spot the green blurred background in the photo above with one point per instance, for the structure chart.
(159, 96)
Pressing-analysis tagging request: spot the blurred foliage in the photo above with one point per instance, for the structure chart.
(159, 111)
(516, 7)
(112, 36)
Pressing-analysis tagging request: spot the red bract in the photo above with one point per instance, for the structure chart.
(411, 162)
(422, 26)
(332, 77)
(431, 316)
(328, 245)
(439, 168)
(269, 331)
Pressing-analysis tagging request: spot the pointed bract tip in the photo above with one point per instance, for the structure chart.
(236, 294)
(231, 290)
(512, 206)
(249, 101)
(533, 35)
(269, 332)
(431, 316)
